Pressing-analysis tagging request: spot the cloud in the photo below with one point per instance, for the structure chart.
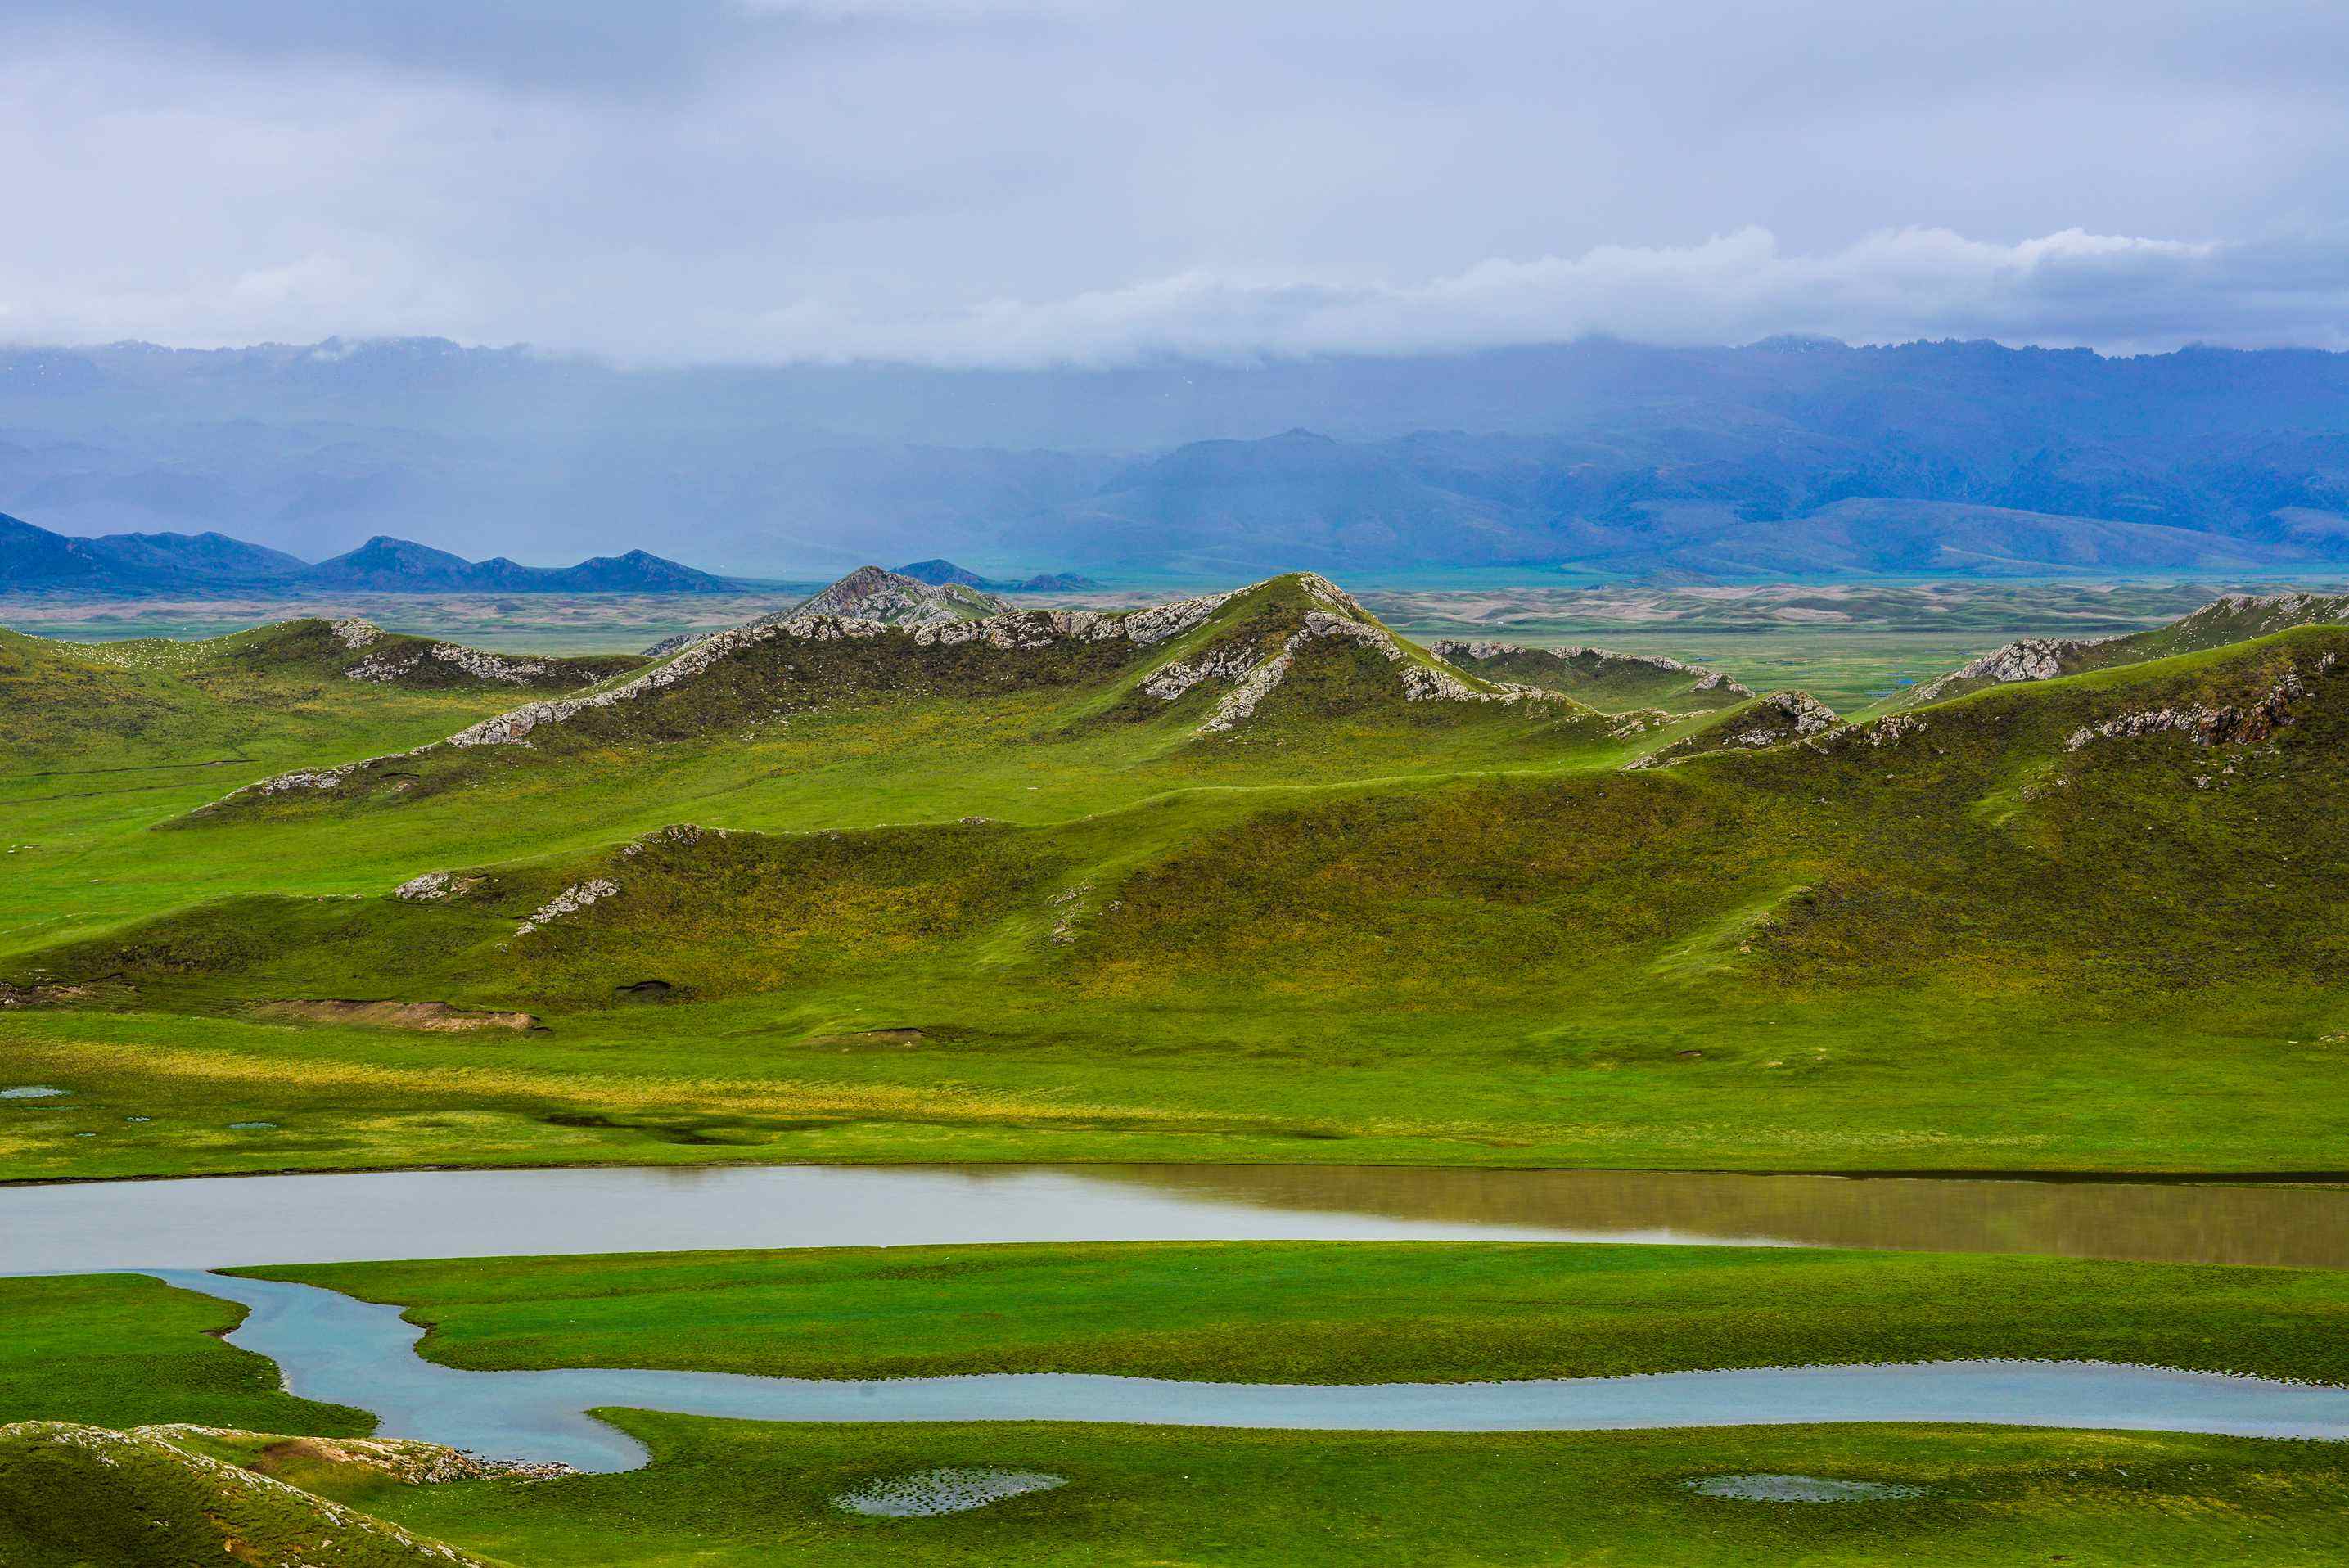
(2064, 289)
(1027, 180)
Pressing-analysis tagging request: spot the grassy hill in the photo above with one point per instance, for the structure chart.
(72, 1496)
(2230, 618)
(1244, 876)
(1158, 692)
(1608, 681)
(79, 700)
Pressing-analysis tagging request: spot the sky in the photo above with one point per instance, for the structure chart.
(1045, 182)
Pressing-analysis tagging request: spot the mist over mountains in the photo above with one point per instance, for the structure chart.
(1792, 458)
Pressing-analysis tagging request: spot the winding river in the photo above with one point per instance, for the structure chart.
(331, 1347)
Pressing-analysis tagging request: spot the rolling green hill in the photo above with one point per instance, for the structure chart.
(76, 701)
(1242, 876)
(1608, 681)
(2231, 618)
(1290, 659)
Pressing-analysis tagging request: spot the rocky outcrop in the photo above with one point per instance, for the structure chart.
(425, 889)
(870, 593)
(570, 901)
(2224, 725)
(385, 667)
(1229, 663)
(685, 833)
(1335, 615)
(1781, 716)
(1889, 730)
(2271, 612)
(355, 633)
(308, 779)
(1466, 652)
(1011, 630)
(2027, 659)
(1772, 720)
(1419, 683)
(403, 1460)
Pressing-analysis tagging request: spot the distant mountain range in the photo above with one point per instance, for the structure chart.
(1788, 459)
(36, 560)
(939, 573)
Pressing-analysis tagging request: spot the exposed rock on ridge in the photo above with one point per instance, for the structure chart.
(2223, 726)
(2026, 659)
(1421, 683)
(1772, 720)
(570, 901)
(1465, 652)
(1335, 615)
(474, 662)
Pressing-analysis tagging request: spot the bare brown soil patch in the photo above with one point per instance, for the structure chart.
(432, 1017)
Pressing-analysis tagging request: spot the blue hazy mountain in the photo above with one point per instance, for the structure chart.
(1785, 457)
(937, 572)
(33, 558)
(383, 564)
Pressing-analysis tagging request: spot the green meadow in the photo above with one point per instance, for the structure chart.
(125, 1351)
(1274, 886)
(948, 904)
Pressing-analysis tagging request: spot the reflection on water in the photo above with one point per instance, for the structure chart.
(226, 1222)
(2158, 1221)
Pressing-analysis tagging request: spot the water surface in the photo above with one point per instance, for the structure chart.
(221, 1222)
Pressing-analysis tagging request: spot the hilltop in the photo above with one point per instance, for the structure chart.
(2230, 618)
(1293, 648)
(872, 595)
(58, 697)
(1608, 681)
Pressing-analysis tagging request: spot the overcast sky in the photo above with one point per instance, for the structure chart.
(1035, 180)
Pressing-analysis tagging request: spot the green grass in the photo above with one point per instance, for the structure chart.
(123, 1350)
(1346, 1312)
(83, 1497)
(720, 1494)
(1360, 930)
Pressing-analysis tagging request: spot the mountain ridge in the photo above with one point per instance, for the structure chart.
(1966, 459)
(34, 558)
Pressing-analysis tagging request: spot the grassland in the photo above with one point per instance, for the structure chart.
(725, 1492)
(1345, 1311)
(1014, 910)
(124, 1350)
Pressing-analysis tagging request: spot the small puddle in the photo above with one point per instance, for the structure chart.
(1801, 1489)
(32, 1091)
(933, 1491)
